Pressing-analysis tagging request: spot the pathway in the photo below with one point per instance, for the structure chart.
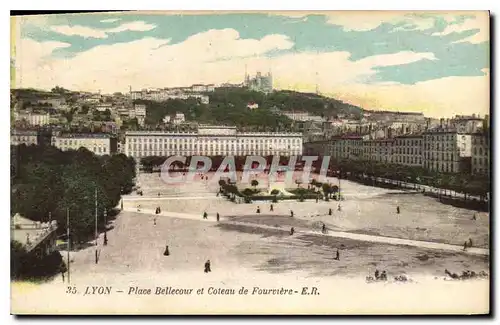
(339, 234)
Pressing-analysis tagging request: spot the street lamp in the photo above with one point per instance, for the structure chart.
(105, 228)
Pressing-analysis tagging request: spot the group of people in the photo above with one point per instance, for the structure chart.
(467, 274)
(380, 276)
(468, 244)
(205, 215)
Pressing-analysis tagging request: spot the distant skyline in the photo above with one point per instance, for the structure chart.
(435, 63)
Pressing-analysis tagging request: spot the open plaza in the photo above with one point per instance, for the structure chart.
(253, 249)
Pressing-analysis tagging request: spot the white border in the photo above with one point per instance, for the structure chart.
(194, 5)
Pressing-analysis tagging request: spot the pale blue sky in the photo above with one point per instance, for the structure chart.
(383, 49)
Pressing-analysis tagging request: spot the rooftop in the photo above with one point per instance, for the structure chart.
(85, 135)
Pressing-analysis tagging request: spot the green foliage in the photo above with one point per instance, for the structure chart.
(85, 109)
(368, 171)
(149, 163)
(101, 116)
(275, 192)
(48, 180)
(60, 90)
(248, 192)
(229, 106)
(254, 183)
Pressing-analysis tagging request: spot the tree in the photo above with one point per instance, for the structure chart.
(254, 183)
(85, 109)
(326, 189)
(48, 180)
(248, 192)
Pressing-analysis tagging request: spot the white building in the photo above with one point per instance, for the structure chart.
(103, 107)
(252, 106)
(303, 116)
(18, 137)
(166, 94)
(447, 151)
(179, 118)
(140, 113)
(211, 141)
(55, 102)
(35, 119)
(480, 154)
(198, 88)
(140, 110)
(94, 99)
(100, 144)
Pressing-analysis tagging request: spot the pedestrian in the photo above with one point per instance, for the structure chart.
(337, 255)
(292, 231)
(291, 213)
(383, 276)
(470, 242)
(339, 208)
(398, 210)
(159, 210)
(218, 217)
(167, 251)
(154, 221)
(258, 209)
(272, 208)
(158, 194)
(377, 274)
(323, 229)
(474, 217)
(205, 215)
(330, 211)
(105, 239)
(465, 245)
(207, 266)
(63, 269)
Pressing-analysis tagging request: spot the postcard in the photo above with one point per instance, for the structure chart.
(228, 163)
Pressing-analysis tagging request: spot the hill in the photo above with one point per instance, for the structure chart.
(228, 106)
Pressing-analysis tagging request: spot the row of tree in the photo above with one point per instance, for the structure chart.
(46, 182)
(466, 183)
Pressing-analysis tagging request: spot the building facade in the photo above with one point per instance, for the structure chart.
(448, 152)
(302, 116)
(346, 147)
(262, 83)
(380, 150)
(480, 154)
(98, 143)
(316, 148)
(408, 150)
(26, 137)
(34, 119)
(211, 141)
